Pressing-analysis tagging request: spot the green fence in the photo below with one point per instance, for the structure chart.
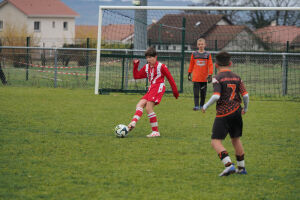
(265, 74)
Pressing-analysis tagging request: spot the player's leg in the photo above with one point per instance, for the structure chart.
(138, 113)
(152, 119)
(240, 154)
(196, 89)
(219, 133)
(203, 89)
(235, 123)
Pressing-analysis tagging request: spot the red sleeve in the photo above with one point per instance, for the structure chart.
(167, 73)
(191, 67)
(210, 66)
(139, 74)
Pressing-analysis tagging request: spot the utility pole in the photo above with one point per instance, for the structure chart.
(140, 26)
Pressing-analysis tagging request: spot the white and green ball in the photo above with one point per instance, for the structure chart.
(121, 130)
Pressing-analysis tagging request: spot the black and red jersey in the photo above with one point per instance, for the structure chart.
(201, 66)
(229, 86)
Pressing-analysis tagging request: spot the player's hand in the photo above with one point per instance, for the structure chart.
(189, 77)
(243, 111)
(202, 110)
(136, 62)
(209, 79)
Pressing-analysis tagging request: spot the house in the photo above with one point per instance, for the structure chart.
(295, 44)
(166, 33)
(111, 33)
(50, 21)
(233, 38)
(276, 37)
(219, 32)
(216, 29)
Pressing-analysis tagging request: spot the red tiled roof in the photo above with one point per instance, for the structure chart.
(84, 31)
(224, 34)
(117, 32)
(111, 32)
(278, 34)
(43, 7)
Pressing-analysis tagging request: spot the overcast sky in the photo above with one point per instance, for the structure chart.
(88, 9)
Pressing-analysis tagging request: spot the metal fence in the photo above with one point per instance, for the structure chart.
(264, 74)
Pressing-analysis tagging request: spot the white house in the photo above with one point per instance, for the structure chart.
(51, 21)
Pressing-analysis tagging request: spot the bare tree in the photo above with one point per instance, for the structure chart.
(259, 18)
(230, 14)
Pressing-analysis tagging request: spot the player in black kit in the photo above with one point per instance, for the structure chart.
(228, 89)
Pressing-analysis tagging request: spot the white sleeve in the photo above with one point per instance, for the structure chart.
(211, 101)
(246, 102)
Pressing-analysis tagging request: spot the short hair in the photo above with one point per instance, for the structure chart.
(223, 58)
(201, 40)
(151, 52)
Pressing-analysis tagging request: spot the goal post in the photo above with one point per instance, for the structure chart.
(118, 40)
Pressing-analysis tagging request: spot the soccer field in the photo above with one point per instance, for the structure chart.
(60, 144)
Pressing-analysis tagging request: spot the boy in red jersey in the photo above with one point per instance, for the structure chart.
(201, 66)
(228, 89)
(155, 72)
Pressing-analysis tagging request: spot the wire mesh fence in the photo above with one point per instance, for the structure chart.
(265, 74)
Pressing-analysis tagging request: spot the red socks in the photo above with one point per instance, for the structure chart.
(138, 114)
(153, 121)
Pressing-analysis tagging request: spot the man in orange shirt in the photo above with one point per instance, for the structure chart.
(201, 66)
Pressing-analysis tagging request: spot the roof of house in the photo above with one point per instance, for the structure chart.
(111, 32)
(117, 32)
(42, 7)
(223, 34)
(169, 28)
(278, 34)
(84, 31)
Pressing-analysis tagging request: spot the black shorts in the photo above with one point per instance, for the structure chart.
(232, 124)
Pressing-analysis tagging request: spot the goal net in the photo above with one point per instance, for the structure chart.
(267, 57)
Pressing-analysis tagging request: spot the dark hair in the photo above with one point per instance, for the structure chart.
(223, 58)
(151, 52)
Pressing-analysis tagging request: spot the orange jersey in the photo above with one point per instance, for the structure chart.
(201, 66)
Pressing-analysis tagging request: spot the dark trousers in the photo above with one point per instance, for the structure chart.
(2, 76)
(199, 87)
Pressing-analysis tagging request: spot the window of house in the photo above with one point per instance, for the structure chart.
(65, 26)
(1, 25)
(53, 24)
(37, 26)
(174, 47)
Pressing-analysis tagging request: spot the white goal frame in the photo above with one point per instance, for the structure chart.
(101, 8)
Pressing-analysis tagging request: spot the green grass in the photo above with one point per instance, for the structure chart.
(59, 144)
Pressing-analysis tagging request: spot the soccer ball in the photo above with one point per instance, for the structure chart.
(121, 130)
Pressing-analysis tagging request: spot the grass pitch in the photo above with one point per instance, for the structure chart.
(59, 144)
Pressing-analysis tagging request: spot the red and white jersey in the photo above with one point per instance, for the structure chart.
(156, 74)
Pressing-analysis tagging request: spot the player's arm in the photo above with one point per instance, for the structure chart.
(136, 73)
(215, 97)
(191, 67)
(210, 65)
(246, 102)
(245, 97)
(170, 78)
(210, 69)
